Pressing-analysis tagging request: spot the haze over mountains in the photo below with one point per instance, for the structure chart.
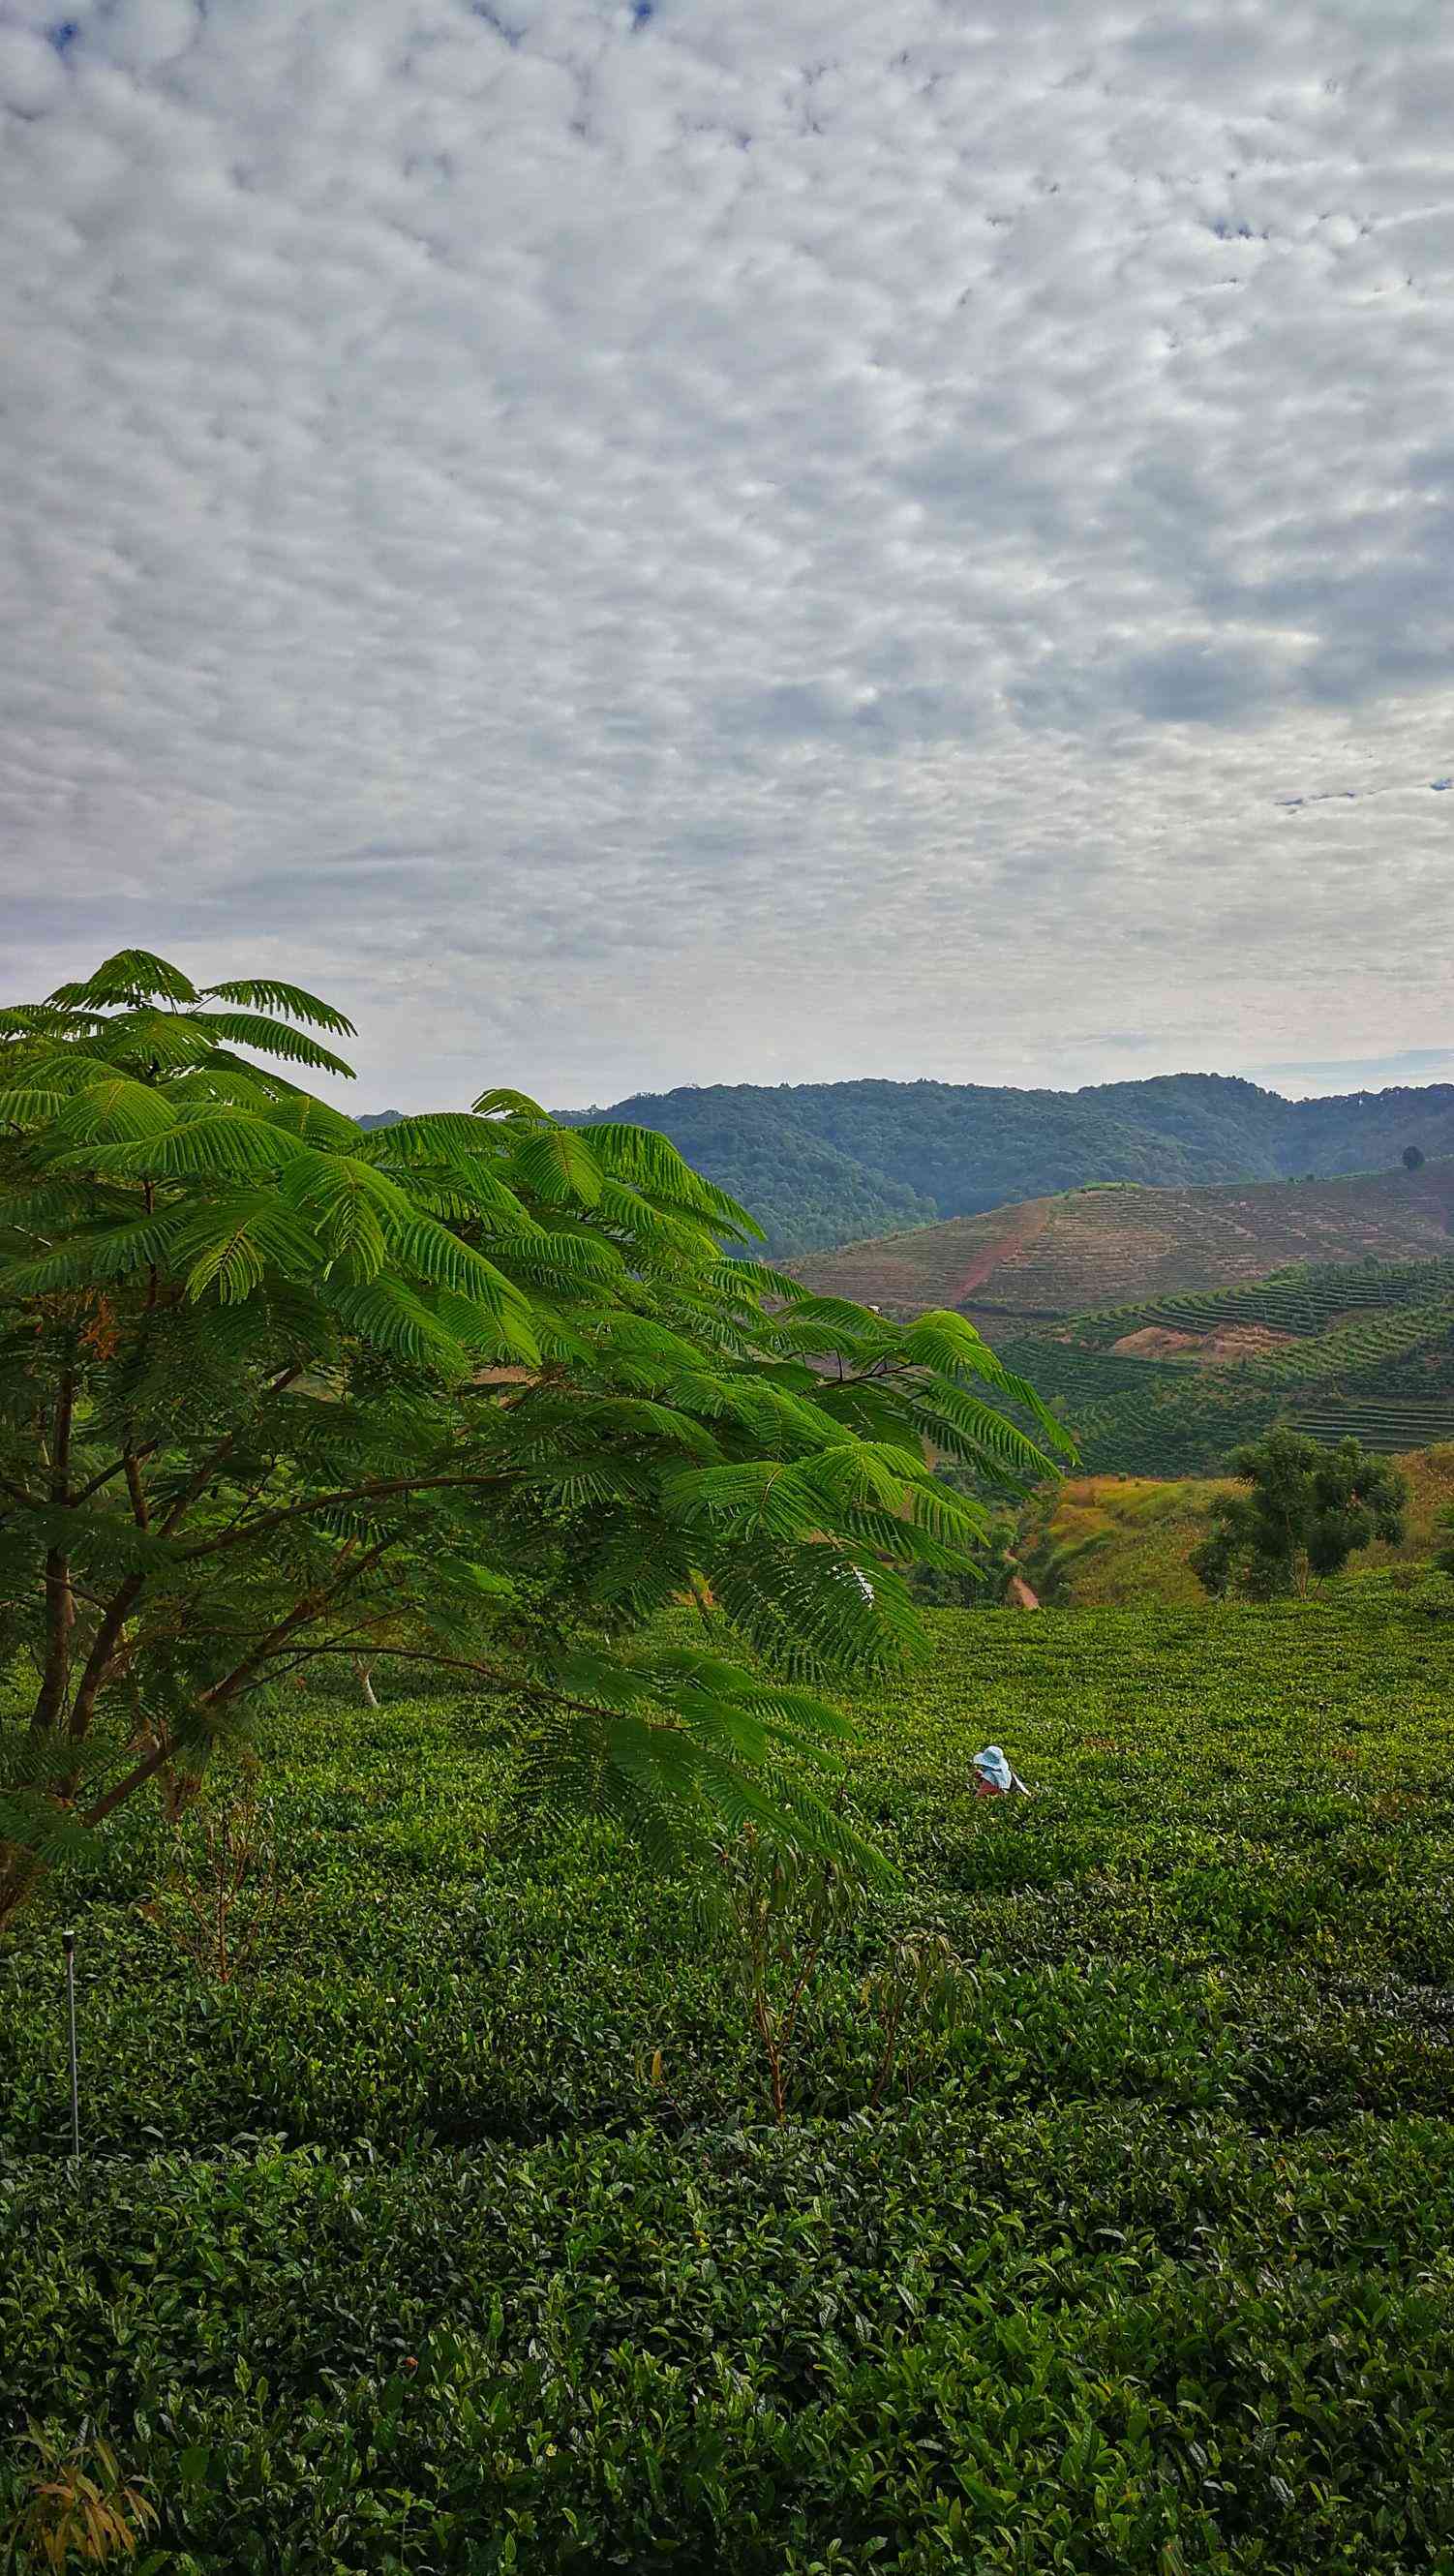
(822, 1164)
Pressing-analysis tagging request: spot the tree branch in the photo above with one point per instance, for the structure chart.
(139, 1510)
(104, 1646)
(218, 1457)
(302, 1615)
(380, 1490)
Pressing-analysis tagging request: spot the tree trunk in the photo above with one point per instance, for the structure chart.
(371, 1697)
(60, 1607)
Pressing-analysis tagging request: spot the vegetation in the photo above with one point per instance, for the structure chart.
(1304, 1512)
(838, 2171)
(471, 1392)
(1166, 1387)
(1095, 1248)
(827, 1163)
(1099, 1542)
(460, 2236)
(1137, 1417)
(1306, 1300)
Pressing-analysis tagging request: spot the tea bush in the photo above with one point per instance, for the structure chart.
(461, 2238)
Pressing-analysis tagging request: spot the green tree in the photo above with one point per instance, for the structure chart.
(474, 1394)
(1306, 1510)
(1413, 1160)
(981, 1584)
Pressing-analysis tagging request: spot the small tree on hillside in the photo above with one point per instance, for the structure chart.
(1413, 1160)
(1306, 1510)
(470, 1395)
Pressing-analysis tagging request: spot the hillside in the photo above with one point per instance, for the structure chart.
(1101, 1541)
(1167, 1325)
(1099, 1247)
(821, 1163)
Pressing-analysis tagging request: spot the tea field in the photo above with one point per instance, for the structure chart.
(455, 2233)
(1167, 1387)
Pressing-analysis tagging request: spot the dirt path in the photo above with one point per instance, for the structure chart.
(1028, 1220)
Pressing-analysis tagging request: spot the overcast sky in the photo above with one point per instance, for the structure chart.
(739, 539)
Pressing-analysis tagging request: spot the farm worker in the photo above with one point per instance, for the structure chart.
(993, 1776)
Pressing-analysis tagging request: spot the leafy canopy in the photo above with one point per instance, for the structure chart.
(1306, 1510)
(473, 1391)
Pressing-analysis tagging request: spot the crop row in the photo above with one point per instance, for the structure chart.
(1144, 1417)
(1303, 1299)
(454, 2238)
(1393, 1428)
(1357, 1345)
(1182, 1422)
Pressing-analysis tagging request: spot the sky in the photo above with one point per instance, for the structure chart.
(718, 540)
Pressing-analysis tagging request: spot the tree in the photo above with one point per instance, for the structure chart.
(1306, 1510)
(980, 1585)
(1413, 1160)
(473, 1394)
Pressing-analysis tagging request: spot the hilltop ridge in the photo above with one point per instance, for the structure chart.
(828, 1163)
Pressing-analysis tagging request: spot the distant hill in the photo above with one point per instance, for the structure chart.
(823, 1163)
(1106, 1246)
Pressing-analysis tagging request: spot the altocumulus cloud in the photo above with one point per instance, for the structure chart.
(697, 540)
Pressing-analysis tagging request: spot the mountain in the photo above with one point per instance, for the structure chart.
(824, 1163)
(1107, 1245)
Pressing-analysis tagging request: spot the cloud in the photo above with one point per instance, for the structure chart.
(1412, 1066)
(633, 545)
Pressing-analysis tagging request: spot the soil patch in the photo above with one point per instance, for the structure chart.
(1228, 1342)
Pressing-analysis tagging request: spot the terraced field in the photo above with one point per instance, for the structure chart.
(1166, 1387)
(1103, 1246)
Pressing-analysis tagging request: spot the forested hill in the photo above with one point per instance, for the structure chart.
(829, 1163)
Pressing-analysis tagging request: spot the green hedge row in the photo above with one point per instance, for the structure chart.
(457, 2239)
(1102, 2342)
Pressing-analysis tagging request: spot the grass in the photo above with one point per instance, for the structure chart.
(458, 2238)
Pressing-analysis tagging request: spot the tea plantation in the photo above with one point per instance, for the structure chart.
(456, 2234)
(1364, 1350)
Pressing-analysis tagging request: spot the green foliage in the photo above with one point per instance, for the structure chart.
(1305, 1512)
(1412, 1158)
(472, 1391)
(463, 2243)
